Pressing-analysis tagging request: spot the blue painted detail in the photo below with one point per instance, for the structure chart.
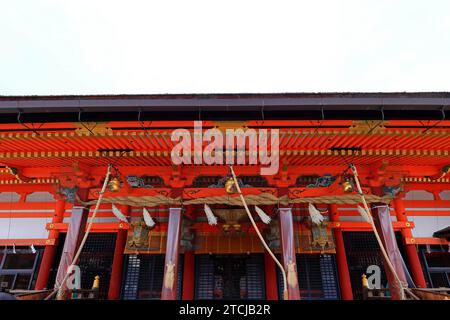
(324, 181)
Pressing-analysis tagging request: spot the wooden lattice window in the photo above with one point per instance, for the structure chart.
(18, 270)
(234, 276)
(144, 276)
(96, 259)
(362, 251)
(317, 277)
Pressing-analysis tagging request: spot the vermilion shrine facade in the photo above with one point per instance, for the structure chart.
(55, 151)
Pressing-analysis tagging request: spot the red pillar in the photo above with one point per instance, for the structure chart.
(341, 257)
(169, 289)
(410, 249)
(188, 292)
(271, 277)
(288, 252)
(50, 251)
(115, 282)
(188, 276)
(270, 267)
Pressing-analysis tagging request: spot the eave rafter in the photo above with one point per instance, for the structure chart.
(332, 143)
(290, 139)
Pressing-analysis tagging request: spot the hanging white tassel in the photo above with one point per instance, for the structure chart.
(262, 215)
(364, 214)
(119, 215)
(316, 216)
(212, 220)
(148, 218)
(14, 248)
(33, 250)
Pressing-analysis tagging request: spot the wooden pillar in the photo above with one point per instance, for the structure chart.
(115, 282)
(271, 277)
(383, 223)
(74, 235)
(410, 249)
(341, 257)
(50, 251)
(188, 276)
(189, 262)
(169, 289)
(288, 252)
(270, 270)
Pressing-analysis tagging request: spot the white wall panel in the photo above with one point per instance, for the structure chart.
(425, 226)
(23, 228)
(419, 195)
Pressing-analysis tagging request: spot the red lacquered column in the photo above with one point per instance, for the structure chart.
(341, 257)
(271, 277)
(189, 263)
(50, 251)
(410, 249)
(115, 282)
(188, 276)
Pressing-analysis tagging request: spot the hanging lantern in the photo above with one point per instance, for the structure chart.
(114, 185)
(229, 186)
(347, 186)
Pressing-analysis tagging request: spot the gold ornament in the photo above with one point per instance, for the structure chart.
(229, 186)
(347, 186)
(114, 185)
(96, 283)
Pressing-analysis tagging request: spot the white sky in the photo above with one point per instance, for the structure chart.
(109, 47)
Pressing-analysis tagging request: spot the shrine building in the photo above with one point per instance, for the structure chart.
(180, 231)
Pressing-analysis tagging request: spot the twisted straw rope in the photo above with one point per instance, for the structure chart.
(261, 199)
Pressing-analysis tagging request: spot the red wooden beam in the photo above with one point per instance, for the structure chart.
(432, 241)
(99, 226)
(27, 242)
(365, 225)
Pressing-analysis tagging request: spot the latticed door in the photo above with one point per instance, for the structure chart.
(231, 276)
(204, 276)
(144, 274)
(362, 251)
(96, 259)
(316, 277)
(255, 276)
